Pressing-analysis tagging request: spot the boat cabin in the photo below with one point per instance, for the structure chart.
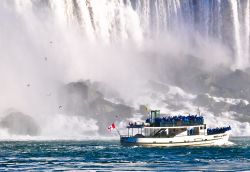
(167, 127)
(181, 130)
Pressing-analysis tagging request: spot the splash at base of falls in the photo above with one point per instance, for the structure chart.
(60, 127)
(171, 100)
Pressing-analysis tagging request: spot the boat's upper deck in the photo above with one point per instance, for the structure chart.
(155, 120)
(146, 125)
(172, 126)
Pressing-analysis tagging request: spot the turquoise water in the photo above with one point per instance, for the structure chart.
(111, 156)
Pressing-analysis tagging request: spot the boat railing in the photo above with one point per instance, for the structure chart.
(135, 125)
(123, 136)
(176, 121)
(175, 124)
(211, 131)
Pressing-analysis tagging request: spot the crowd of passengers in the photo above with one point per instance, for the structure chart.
(211, 131)
(178, 120)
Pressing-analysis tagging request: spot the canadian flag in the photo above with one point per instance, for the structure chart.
(111, 127)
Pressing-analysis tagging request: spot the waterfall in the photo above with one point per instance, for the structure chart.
(236, 28)
(136, 20)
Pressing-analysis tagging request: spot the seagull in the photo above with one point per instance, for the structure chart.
(28, 85)
(60, 107)
(45, 58)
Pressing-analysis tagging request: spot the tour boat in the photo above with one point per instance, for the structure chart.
(189, 130)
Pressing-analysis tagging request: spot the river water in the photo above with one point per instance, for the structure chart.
(111, 156)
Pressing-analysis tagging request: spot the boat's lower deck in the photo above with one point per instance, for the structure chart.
(195, 140)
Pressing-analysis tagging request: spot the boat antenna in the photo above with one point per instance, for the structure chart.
(147, 110)
(198, 109)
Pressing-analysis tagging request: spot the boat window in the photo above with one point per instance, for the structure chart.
(201, 128)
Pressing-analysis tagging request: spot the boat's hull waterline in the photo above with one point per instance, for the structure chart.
(197, 140)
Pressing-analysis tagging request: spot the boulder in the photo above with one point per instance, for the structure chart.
(20, 124)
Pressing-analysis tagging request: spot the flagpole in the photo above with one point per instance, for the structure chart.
(118, 132)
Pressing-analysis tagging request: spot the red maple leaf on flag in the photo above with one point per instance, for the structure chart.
(111, 127)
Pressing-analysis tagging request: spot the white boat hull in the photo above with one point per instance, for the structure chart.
(196, 140)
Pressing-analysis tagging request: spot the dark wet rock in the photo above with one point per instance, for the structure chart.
(219, 82)
(213, 106)
(241, 108)
(86, 99)
(234, 85)
(20, 124)
(203, 100)
(175, 103)
(83, 99)
(219, 107)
